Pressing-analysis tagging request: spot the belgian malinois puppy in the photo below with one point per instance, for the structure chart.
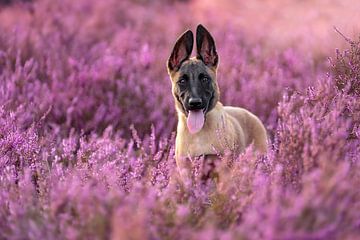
(201, 117)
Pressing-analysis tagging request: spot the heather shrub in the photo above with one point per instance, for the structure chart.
(320, 113)
(87, 131)
(346, 68)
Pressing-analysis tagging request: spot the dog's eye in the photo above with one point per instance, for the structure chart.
(205, 79)
(182, 81)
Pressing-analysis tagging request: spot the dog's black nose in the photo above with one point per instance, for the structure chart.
(195, 102)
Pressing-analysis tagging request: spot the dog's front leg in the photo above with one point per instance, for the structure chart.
(204, 167)
(209, 168)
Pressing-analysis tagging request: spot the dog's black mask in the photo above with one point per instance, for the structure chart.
(195, 84)
(195, 87)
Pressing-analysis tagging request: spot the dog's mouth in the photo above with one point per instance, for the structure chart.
(195, 120)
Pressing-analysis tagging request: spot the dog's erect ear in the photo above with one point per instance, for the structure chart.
(205, 44)
(182, 51)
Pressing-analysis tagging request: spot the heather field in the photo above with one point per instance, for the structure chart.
(87, 121)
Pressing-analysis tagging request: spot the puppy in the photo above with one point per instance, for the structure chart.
(206, 127)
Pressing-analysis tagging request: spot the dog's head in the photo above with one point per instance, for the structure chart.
(194, 84)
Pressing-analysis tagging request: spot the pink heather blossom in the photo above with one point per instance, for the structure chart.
(87, 125)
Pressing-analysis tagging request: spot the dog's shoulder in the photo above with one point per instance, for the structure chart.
(240, 114)
(245, 118)
(252, 126)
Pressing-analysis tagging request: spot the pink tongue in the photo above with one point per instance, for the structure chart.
(195, 121)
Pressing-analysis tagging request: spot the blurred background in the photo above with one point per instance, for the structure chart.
(307, 24)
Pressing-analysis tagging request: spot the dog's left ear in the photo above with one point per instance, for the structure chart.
(205, 44)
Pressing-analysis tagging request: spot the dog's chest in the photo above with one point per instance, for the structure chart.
(214, 139)
(196, 145)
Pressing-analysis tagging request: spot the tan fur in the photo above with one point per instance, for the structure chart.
(225, 128)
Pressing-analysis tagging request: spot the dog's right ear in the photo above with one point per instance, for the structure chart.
(181, 52)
